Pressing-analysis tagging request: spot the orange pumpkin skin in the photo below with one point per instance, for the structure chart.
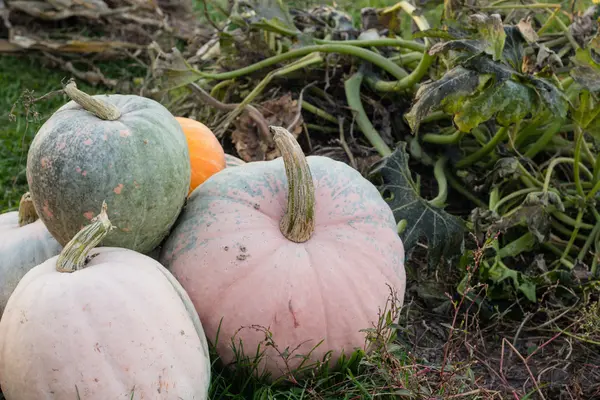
(207, 156)
(120, 326)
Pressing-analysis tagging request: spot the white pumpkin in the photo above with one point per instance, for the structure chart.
(24, 243)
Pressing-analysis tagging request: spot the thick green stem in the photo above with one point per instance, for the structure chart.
(516, 247)
(594, 190)
(456, 185)
(576, 163)
(101, 109)
(440, 177)
(367, 55)
(573, 234)
(511, 196)
(553, 165)
(352, 87)
(408, 81)
(485, 150)
(392, 42)
(443, 139)
(27, 213)
(405, 59)
(541, 143)
(318, 112)
(74, 255)
(298, 222)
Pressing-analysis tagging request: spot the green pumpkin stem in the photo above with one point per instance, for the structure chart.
(298, 222)
(74, 255)
(27, 213)
(99, 108)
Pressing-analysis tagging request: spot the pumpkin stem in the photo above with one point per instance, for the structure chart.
(298, 222)
(74, 255)
(27, 213)
(99, 108)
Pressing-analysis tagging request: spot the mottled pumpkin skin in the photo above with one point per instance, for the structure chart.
(21, 248)
(139, 164)
(121, 325)
(233, 161)
(230, 256)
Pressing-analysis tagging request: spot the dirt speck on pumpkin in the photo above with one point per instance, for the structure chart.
(256, 206)
(242, 257)
(226, 248)
(242, 248)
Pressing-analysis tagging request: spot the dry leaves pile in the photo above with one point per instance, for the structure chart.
(84, 31)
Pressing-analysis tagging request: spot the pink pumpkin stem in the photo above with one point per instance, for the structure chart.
(99, 108)
(27, 213)
(74, 255)
(298, 222)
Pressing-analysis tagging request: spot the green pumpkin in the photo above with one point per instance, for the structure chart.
(127, 150)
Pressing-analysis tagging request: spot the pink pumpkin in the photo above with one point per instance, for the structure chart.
(303, 246)
(115, 325)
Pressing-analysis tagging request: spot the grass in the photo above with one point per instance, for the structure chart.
(16, 133)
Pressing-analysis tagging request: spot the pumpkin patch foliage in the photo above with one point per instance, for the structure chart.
(454, 153)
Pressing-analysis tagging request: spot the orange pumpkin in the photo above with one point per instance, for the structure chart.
(207, 156)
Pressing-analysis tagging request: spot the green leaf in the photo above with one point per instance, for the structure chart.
(444, 232)
(457, 81)
(498, 272)
(492, 31)
(511, 100)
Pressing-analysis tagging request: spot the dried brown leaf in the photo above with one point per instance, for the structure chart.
(281, 111)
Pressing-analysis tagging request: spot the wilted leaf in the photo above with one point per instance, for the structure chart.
(484, 65)
(514, 101)
(513, 47)
(534, 212)
(491, 30)
(551, 96)
(430, 96)
(174, 71)
(435, 33)
(246, 137)
(263, 14)
(586, 71)
(527, 31)
(547, 57)
(444, 232)
(468, 45)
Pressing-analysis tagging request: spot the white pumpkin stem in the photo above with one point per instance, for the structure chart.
(74, 255)
(99, 108)
(27, 213)
(298, 222)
